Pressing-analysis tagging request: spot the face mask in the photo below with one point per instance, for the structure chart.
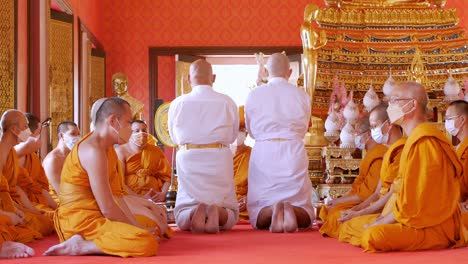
(450, 127)
(240, 139)
(24, 135)
(396, 113)
(70, 141)
(358, 143)
(139, 139)
(378, 136)
(124, 133)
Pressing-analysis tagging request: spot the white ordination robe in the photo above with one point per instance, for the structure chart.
(277, 116)
(205, 175)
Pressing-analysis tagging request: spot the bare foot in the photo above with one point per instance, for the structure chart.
(212, 224)
(15, 250)
(277, 218)
(74, 246)
(290, 221)
(199, 219)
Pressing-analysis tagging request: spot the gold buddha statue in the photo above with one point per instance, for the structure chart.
(312, 40)
(120, 85)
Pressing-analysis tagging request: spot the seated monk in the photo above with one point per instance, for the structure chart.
(456, 123)
(429, 165)
(89, 220)
(241, 166)
(31, 176)
(16, 130)
(358, 217)
(8, 248)
(144, 213)
(68, 134)
(363, 186)
(146, 169)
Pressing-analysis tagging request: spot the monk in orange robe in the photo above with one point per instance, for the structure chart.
(363, 186)
(456, 123)
(147, 171)
(68, 135)
(241, 166)
(356, 220)
(426, 214)
(88, 218)
(15, 130)
(8, 248)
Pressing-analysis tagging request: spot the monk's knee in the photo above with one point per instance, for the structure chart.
(372, 239)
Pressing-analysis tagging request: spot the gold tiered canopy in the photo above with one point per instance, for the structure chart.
(367, 41)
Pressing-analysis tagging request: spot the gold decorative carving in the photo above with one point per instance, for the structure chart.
(332, 190)
(182, 82)
(161, 126)
(7, 55)
(98, 76)
(60, 73)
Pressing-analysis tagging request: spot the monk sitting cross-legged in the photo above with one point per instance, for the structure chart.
(426, 214)
(15, 130)
(88, 219)
(363, 186)
(456, 123)
(357, 218)
(8, 248)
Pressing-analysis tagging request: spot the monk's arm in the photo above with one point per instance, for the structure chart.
(53, 170)
(374, 197)
(99, 182)
(25, 200)
(378, 205)
(344, 199)
(29, 146)
(388, 219)
(50, 201)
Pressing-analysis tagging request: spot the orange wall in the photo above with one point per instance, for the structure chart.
(127, 28)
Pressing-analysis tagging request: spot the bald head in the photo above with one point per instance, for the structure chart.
(458, 108)
(363, 125)
(201, 73)
(379, 113)
(412, 90)
(96, 106)
(33, 121)
(11, 118)
(111, 106)
(278, 66)
(65, 126)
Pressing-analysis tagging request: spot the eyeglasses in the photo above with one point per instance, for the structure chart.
(394, 100)
(451, 117)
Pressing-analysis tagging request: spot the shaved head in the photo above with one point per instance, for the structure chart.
(458, 107)
(363, 125)
(278, 65)
(64, 126)
(201, 73)
(111, 106)
(11, 118)
(413, 90)
(379, 113)
(96, 106)
(33, 121)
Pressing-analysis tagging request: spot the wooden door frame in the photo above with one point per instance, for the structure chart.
(155, 52)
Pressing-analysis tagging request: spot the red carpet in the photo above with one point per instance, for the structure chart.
(244, 245)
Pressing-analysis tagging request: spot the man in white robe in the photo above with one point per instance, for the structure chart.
(203, 123)
(277, 117)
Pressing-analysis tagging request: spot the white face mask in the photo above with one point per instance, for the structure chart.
(450, 127)
(395, 113)
(358, 142)
(24, 135)
(241, 136)
(70, 141)
(140, 139)
(378, 136)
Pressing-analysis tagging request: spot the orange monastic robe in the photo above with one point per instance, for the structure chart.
(351, 231)
(79, 213)
(364, 186)
(462, 154)
(41, 223)
(148, 169)
(37, 181)
(241, 173)
(426, 211)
